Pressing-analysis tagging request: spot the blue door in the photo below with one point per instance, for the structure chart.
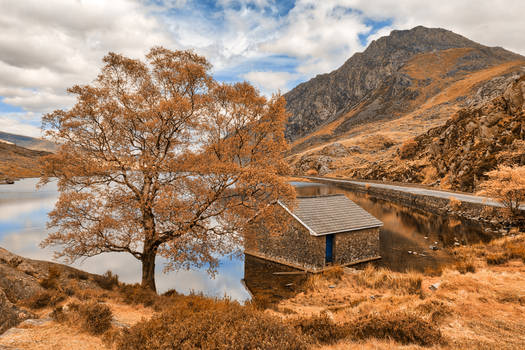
(329, 248)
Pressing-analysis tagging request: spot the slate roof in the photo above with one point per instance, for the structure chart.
(323, 215)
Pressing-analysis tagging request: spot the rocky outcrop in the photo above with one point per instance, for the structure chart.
(459, 153)
(377, 85)
(21, 279)
(10, 314)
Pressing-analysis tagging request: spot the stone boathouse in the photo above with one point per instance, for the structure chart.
(324, 230)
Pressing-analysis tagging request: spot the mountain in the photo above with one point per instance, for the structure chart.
(17, 161)
(400, 86)
(28, 142)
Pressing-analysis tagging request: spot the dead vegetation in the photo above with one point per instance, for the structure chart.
(478, 302)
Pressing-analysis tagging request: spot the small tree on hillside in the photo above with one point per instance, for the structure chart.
(506, 184)
(157, 158)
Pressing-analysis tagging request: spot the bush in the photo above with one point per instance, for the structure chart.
(96, 318)
(107, 281)
(45, 299)
(496, 258)
(335, 273)
(465, 265)
(195, 322)
(454, 203)
(135, 294)
(404, 327)
(51, 281)
(408, 149)
(320, 329)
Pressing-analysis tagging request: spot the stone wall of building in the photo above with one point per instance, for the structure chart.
(356, 245)
(295, 246)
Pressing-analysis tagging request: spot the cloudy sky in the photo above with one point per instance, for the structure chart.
(48, 46)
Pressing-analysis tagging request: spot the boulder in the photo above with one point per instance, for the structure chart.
(10, 315)
(335, 149)
(16, 284)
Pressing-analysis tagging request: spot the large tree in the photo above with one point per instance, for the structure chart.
(157, 158)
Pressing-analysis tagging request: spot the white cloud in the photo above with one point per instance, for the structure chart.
(269, 82)
(48, 46)
(322, 34)
(16, 123)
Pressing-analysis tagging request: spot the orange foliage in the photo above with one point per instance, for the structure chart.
(157, 158)
(506, 184)
(408, 149)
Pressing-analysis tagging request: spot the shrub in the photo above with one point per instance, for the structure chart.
(320, 329)
(51, 281)
(197, 322)
(454, 203)
(465, 265)
(335, 273)
(311, 172)
(408, 149)
(45, 299)
(404, 327)
(516, 251)
(496, 258)
(96, 318)
(92, 317)
(135, 294)
(506, 184)
(107, 281)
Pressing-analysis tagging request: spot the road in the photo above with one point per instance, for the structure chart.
(418, 191)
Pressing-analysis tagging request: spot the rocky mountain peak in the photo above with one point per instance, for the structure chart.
(373, 85)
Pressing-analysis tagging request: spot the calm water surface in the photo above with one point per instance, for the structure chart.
(23, 216)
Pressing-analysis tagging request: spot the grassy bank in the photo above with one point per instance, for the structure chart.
(478, 302)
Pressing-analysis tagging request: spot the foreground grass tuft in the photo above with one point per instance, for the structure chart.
(196, 322)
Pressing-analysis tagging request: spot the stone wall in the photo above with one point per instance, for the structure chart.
(296, 246)
(435, 205)
(356, 245)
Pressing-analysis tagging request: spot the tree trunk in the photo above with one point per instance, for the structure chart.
(148, 268)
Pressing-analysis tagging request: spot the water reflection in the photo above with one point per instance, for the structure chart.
(409, 230)
(23, 217)
(269, 282)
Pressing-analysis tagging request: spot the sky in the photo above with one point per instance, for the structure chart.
(48, 46)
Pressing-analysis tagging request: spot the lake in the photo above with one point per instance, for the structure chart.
(23, 216)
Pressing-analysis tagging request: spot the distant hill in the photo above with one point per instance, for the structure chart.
(28, 142)
(16, 162)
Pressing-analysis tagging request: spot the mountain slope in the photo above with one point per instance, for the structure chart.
(28, 142)
(459, 153)
(405, 72)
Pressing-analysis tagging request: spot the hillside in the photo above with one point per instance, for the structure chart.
(457, 154)
(17, 161)
(400, 86)
(28, 142)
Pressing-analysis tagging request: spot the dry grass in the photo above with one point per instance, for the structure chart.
(195, 322)
(44, 299)
(384, 279)
(379, 309)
